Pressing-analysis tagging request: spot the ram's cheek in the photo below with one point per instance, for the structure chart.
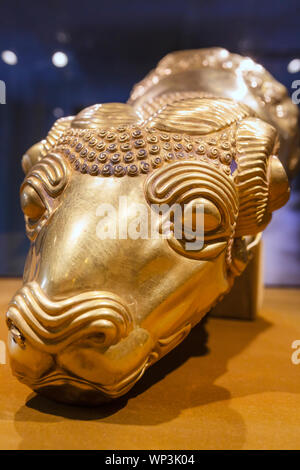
(108, 366)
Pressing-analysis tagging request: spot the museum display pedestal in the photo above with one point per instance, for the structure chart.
(230, 385)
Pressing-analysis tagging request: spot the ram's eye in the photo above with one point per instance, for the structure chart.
(211, 214)
(31, 203)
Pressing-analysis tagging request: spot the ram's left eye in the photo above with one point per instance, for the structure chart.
(31, 203)
(211, 214)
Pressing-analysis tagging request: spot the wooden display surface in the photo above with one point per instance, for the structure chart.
(230, 385)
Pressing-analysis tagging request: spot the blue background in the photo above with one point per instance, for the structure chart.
(110, 46)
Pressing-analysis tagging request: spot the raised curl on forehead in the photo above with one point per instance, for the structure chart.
(134, 150)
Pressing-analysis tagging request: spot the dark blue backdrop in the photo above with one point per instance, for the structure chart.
(111, 45)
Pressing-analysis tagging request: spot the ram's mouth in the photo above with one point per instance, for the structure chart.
(73, 389)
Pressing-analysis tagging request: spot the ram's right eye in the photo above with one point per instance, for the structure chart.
(31, 203)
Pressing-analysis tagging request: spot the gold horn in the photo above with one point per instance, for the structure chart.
(260, 177)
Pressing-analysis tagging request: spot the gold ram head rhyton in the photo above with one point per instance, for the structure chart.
(95, 312)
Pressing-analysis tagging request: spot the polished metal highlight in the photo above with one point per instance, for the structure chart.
(93, 314)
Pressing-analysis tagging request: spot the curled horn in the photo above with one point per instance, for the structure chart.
(260, 178)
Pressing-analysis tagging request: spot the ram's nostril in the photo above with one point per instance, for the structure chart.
(17, 336)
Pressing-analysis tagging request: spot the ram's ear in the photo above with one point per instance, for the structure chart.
(260, 178)
(40, 149)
